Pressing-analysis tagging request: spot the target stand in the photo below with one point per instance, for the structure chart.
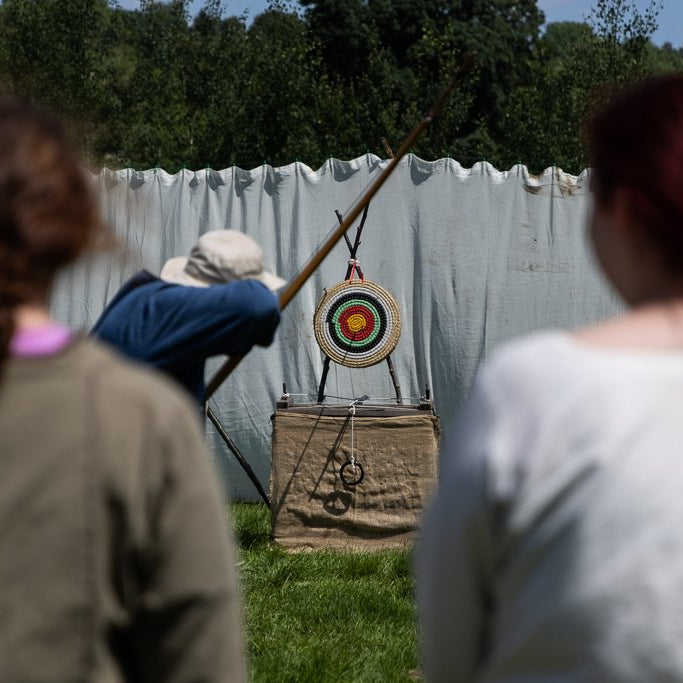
(353, 475)
(357, 323)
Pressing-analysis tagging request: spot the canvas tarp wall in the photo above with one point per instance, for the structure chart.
(473, 257)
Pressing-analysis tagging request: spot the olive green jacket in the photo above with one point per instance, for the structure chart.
(115, 560)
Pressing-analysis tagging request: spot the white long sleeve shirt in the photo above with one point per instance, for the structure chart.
(553, 550)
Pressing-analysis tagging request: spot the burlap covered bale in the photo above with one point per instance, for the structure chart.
(313, 509)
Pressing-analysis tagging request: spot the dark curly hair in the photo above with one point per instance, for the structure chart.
(48, 212)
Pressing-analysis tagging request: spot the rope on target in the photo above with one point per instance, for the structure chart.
(357, 323)
(352, 472)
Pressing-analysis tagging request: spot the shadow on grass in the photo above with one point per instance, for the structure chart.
(252, 526)
(250, 540)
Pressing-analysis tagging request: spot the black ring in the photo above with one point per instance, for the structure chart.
(351, 482)
(372, 301)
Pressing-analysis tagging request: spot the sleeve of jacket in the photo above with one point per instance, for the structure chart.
(454, 558)
(188, 626)
(187, 323)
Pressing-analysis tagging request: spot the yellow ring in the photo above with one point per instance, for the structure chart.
(356, 322)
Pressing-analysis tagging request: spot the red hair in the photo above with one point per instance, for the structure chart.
(636, 144)
(47, 210)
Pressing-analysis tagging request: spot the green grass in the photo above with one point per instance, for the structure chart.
(325, 615)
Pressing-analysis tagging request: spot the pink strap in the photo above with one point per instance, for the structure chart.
(40, 341)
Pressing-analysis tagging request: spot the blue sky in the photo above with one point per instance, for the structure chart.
(670, 18)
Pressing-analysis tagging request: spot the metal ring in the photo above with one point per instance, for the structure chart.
(358, 471)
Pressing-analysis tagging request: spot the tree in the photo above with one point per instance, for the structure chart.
(149, 87)
(54, 53)
(218, 64)
(283, 89)
(579, 65)
(157, 98)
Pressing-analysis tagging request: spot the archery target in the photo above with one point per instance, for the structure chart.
(357, 323)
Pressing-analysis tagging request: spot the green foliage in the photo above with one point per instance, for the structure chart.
(578, 66)
(281, 90)
(324, 616)
(55, 53)
(153, 87)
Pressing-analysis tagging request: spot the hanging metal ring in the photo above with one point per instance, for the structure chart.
(356, 474)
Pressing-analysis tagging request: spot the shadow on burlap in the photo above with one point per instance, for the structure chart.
(312, 508)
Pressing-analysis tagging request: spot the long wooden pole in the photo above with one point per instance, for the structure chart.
(295, 284)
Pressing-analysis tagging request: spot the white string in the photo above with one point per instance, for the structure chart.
(353, 389)
(390, 399)
(352, 412)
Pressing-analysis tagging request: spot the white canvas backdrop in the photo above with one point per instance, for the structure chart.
(473, 257)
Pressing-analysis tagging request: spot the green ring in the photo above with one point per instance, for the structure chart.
(337, 325)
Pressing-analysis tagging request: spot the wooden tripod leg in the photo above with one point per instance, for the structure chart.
(236, 452)
(323, 380)
(397, 388)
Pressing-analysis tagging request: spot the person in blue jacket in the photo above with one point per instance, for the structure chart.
(219, 300)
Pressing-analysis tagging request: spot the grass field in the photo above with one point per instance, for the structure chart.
(326, 615)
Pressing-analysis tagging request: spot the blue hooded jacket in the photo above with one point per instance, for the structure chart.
(175, 328)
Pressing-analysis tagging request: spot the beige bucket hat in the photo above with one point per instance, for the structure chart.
(220, 256)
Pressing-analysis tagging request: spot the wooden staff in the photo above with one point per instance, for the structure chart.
(295, 284)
